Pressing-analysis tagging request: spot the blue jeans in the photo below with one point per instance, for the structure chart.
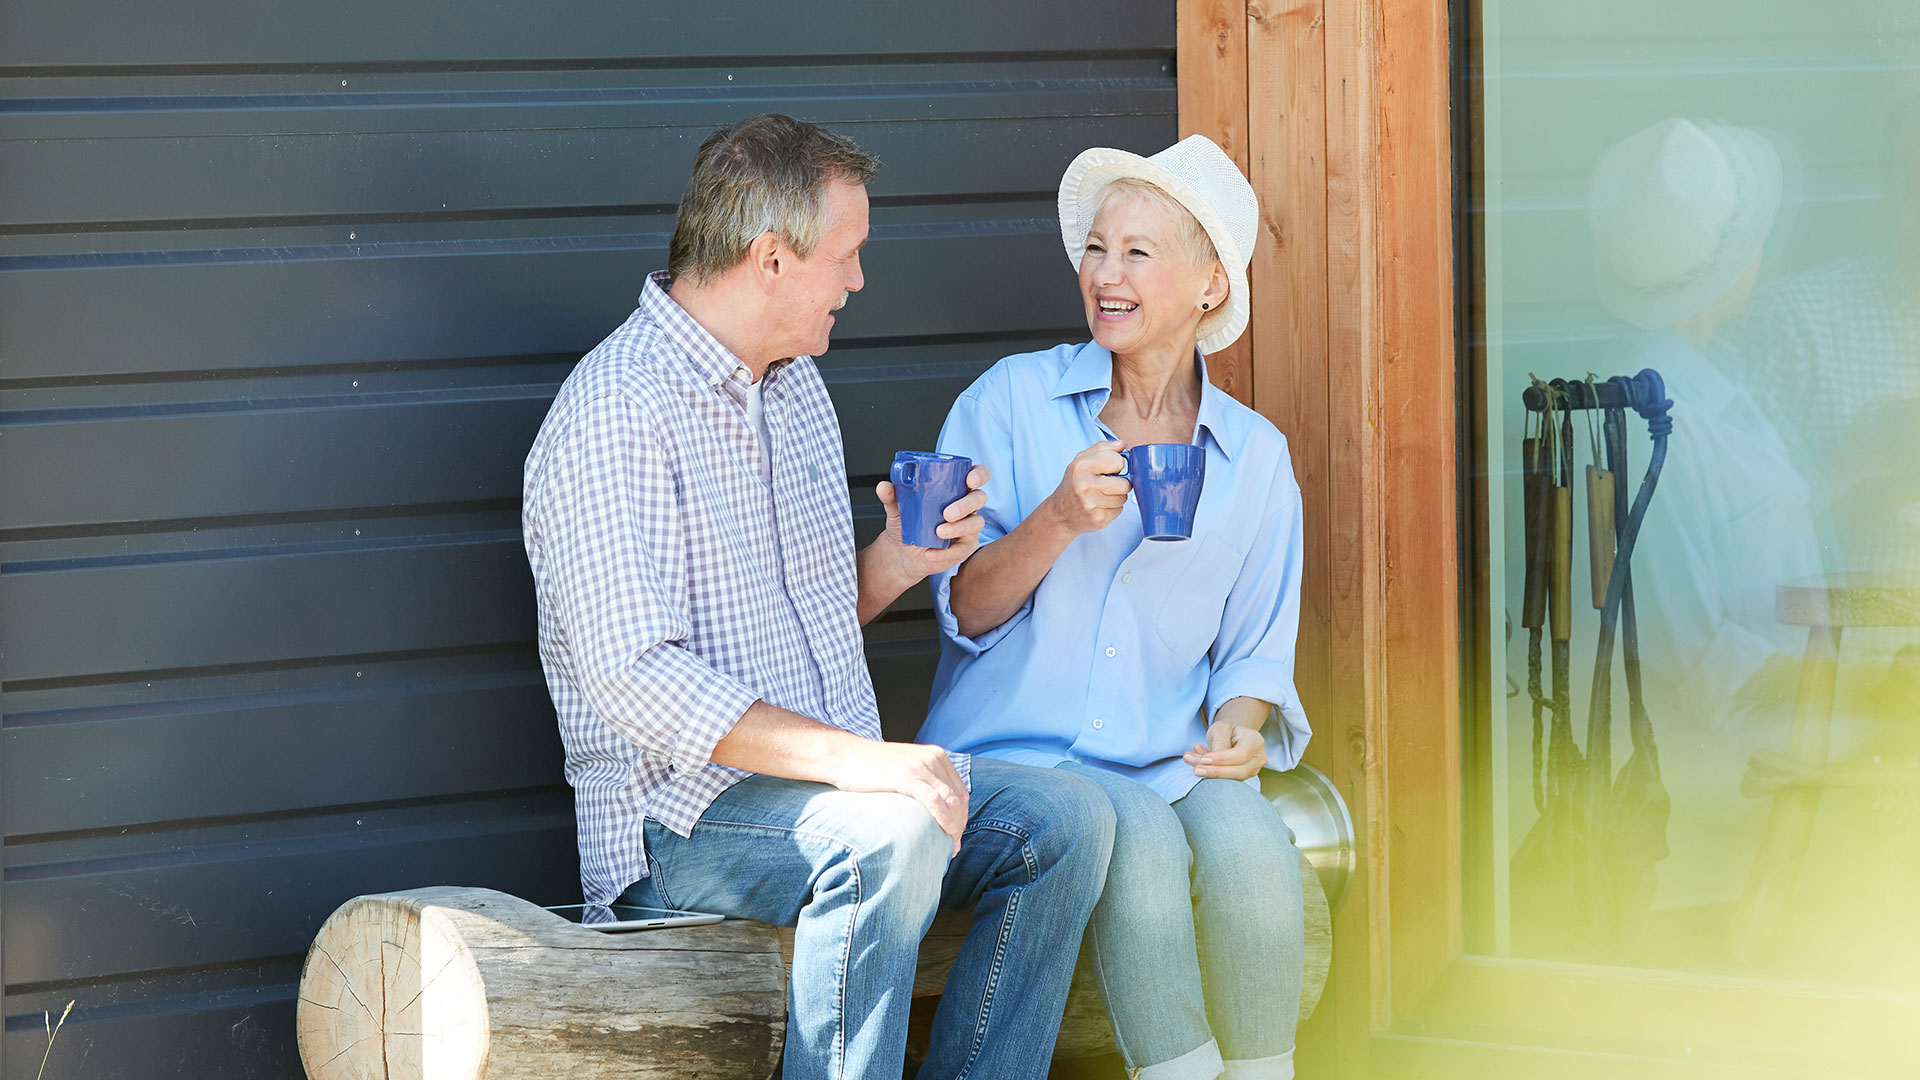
(1199, 941)
(859, 876)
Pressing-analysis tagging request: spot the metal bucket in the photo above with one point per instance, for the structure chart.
(1322, 828)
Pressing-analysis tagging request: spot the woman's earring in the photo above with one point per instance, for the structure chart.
(1203, 307)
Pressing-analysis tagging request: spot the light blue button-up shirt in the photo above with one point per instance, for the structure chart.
(1128, 644)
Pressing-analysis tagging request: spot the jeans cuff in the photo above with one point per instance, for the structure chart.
(1200, 1063)
(1277, 1067)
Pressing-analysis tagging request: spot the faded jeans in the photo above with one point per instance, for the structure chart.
(1199, 941)
(859, 876)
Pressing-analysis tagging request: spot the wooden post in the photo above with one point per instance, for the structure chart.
(1212, 36)
(1348, 146)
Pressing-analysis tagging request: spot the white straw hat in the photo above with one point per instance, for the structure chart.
(1199, 176)
(1678, 212)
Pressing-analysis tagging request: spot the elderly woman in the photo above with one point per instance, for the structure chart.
(1150, 667)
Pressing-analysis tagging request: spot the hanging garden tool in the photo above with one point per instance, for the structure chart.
(1637, 806)
(1566, 787)
(1599, 836)
(1537, 486)
(1551, 863)
(1601, 520)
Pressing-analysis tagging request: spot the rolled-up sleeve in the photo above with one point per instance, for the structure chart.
(977, 429)
(611, 533)
(1253, 656)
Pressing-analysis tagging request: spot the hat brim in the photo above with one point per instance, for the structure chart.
(1085, 185)
(1760, 176)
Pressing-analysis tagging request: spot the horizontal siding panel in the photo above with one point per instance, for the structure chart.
(200, 906)
(563, 160)
(161, 760)
(244, 1034)
(298, 456)
(166, 611)
(175, 760)
(341, 304)
(277, 605)
(213, 32)
(341, 452)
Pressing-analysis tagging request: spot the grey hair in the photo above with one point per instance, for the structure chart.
(1192, 237)
(765, 174)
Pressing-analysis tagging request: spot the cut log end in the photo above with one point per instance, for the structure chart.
(364, 1013)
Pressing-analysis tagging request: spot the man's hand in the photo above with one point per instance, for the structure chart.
(890, 566)
(924, 774)
(771, 740)
(962, 527)
(1090, 495)
(1231, 751)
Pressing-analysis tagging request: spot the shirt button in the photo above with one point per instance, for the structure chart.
(1126, 578)
(1109, 650)
(741, 374)
(1098, 723)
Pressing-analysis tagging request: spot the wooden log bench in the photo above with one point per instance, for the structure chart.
(454, 983)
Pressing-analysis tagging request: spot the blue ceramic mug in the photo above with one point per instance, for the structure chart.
(925, 484)
(1166, 479)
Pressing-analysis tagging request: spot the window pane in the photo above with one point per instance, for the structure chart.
(1726, 192)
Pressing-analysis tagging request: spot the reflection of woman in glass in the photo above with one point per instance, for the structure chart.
(1680, 213)
(1070, 641)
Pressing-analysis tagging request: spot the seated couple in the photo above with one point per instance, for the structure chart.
(701, 599)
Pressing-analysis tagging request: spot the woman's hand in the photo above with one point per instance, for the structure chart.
(1231, 752)
(1090, 496)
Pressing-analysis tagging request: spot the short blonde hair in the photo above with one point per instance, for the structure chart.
(1193, 238)
(764, 174)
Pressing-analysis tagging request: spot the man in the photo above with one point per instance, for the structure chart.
(700, 602)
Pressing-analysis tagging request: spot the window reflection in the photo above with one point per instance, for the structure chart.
(1739, 211)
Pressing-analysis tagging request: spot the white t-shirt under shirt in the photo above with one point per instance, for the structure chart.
(755, 399)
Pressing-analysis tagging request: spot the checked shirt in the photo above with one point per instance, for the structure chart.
(676, 585)
(1832, 355)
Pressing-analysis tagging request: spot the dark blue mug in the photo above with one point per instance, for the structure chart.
(1166, 479)
(925, 484)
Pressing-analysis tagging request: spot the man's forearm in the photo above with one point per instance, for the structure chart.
(775, 742)
(991, 586)
(771, 740)
(879, 582)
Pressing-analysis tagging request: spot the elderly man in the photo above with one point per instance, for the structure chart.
(700, 598)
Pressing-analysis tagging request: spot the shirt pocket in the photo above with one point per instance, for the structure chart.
(1189, 618)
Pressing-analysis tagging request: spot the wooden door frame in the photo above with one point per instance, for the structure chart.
(1339, 112)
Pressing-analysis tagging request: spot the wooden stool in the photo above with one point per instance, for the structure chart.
(1826, 606)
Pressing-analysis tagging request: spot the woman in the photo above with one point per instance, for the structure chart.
(1071, 642)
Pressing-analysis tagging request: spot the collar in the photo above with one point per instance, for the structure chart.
(1091, 372)
(713, 363)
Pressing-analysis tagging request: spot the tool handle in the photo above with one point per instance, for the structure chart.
(1600, 531)
(1536, 483)
(1562, 586)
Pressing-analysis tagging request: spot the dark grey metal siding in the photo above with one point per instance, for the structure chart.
(285, 289)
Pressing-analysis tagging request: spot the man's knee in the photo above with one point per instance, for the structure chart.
(899, 852)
